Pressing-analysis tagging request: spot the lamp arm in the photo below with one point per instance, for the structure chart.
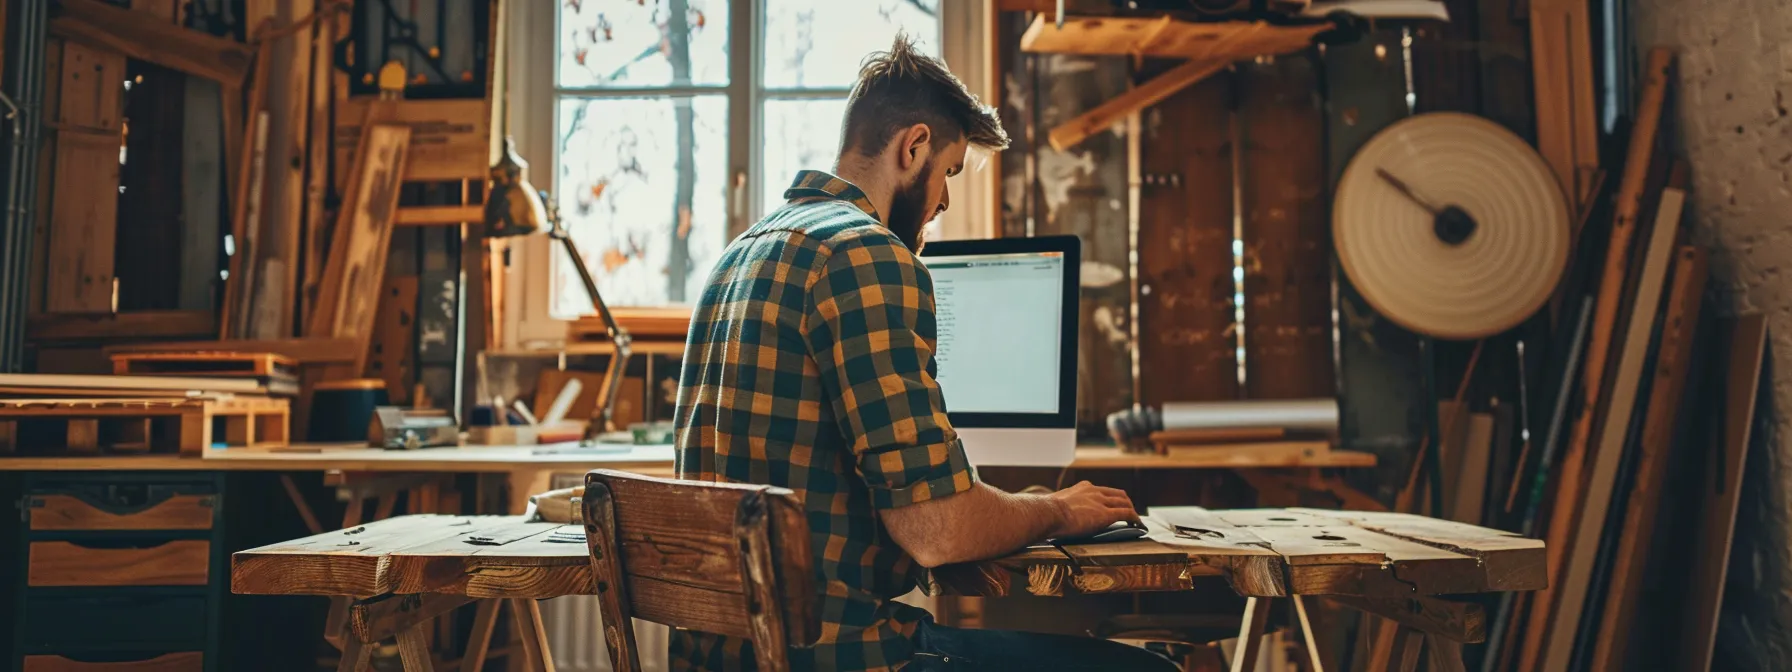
(603, 415)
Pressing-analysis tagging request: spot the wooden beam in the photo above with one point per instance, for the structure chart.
(162, 43)
(132, 324)
(1457, 621)
(1140, 97)
(302, 350)
(440, 215)
(1656, 446)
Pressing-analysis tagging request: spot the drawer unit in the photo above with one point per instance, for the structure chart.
(179, 562)
(112, 622)
(186, 661)
(118, 571)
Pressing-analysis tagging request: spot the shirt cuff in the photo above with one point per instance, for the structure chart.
(916, 474)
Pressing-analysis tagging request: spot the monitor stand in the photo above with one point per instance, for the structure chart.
(1018, 447)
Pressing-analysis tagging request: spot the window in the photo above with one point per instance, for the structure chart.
(654, 125)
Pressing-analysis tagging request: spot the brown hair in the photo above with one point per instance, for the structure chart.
(903, 87)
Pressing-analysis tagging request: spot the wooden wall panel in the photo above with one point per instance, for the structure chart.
(1186, 286)
(1382, 405)
(1082, 191)
(1286, 232)
(84, 225)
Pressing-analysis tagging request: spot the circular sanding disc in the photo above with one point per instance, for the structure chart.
(1485, 284)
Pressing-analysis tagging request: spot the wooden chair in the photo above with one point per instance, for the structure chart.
(725, 559)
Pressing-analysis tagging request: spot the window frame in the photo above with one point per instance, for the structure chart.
(533, 98)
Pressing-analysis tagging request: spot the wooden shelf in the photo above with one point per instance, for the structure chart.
(1166, 37)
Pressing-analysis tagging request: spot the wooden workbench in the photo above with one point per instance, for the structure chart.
(1386, 564)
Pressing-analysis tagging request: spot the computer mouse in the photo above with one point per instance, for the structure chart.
(1124, 530)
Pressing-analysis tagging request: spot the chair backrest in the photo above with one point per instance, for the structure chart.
(712, 557)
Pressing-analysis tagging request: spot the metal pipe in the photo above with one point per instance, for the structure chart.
(15, 226)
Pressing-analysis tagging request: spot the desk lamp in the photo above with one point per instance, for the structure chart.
(515, 208)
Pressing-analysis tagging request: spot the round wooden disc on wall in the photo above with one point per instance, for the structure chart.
(1451, 226)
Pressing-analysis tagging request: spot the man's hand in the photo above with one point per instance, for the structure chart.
(1089, 508)
(985, 522)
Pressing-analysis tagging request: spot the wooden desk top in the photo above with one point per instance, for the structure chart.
(1261, 552)
(496, 459)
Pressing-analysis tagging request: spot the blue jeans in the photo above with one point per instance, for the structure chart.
(939, 648)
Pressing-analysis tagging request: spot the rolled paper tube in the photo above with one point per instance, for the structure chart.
(1297, 415)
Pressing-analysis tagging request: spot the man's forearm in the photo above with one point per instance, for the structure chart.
(977, 524)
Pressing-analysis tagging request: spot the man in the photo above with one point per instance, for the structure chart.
(809, 366)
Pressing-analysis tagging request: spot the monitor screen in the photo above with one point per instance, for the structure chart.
(1001, 320)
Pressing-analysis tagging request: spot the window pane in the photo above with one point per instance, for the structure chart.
(799, 134)
(624, 43)
(620, 188)
(820, 43)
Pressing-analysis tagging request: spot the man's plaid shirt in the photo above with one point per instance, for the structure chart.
(810, 366)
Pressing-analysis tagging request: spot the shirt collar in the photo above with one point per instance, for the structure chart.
(821, 184)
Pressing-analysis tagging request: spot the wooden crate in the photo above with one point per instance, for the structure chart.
(206, 363)
(145, 425)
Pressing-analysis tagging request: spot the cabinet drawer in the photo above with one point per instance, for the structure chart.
(126, 623)
(192, 661)
(184, 562)
(164, 509)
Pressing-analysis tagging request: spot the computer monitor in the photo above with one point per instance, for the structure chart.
(1007, 351)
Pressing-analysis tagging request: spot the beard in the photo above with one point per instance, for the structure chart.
(908, 210)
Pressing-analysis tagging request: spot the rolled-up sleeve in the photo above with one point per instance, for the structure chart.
(870, 327)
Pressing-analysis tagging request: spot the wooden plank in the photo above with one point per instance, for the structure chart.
(1511, 562)
(1456, 621)
(146, 324)
(1745, 339)
(1617, 410)
(183, 562)
(1104, 116)
(247, 176)
(504, 558)
(84, 223)
(348, 299)
(1286, 232)
(317, 165)
(1250, 634)
(1635, 535)
(1611, 287)
(301, 350)
(165, 44)
(392, 357)
(1155, 37)
(1184, 247)
(380, 619)
(69, 512)
(1470, 492)
(440, 215)
(288, 104)
(91, 89)
(353, 562)
(449, 138)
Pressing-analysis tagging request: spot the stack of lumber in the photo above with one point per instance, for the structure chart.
(1647, 383)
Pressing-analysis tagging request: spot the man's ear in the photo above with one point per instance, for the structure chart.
(915, 143)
